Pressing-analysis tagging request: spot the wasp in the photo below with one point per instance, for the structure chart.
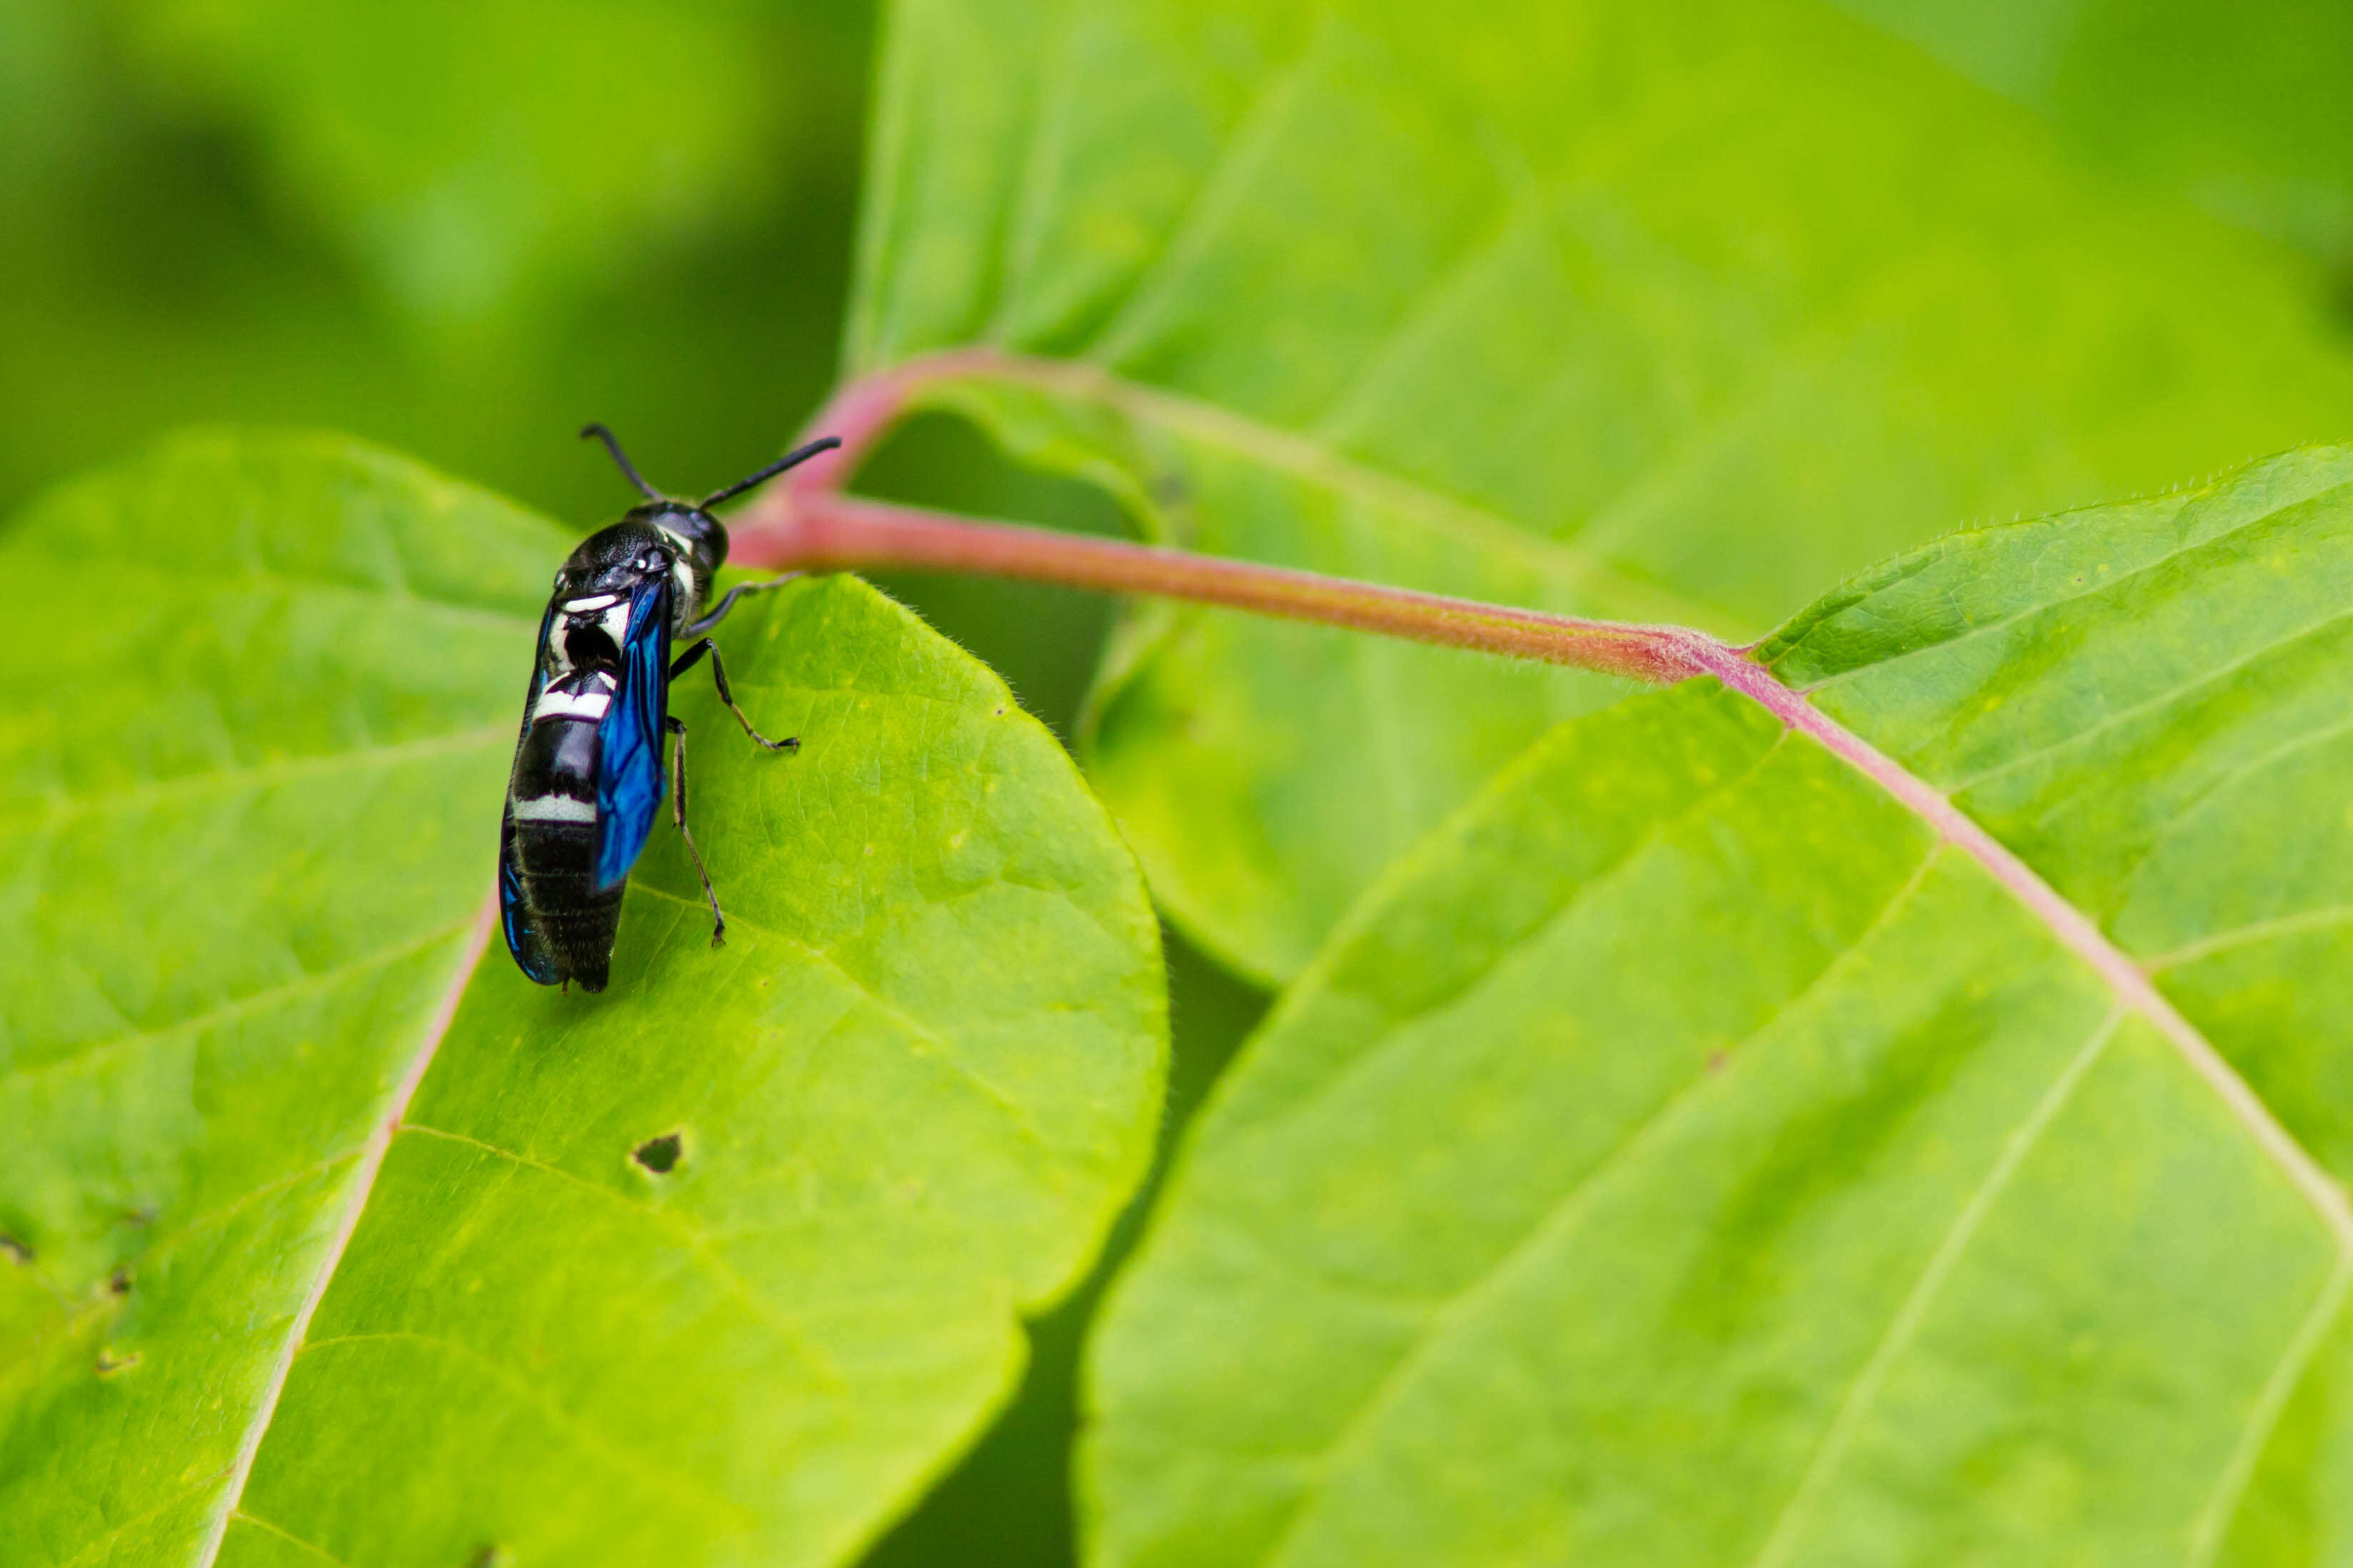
(589, 769)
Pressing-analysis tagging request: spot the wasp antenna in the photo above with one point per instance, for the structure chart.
(613, 445)
(797, 455)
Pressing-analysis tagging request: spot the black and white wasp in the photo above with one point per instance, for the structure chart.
(588, 772)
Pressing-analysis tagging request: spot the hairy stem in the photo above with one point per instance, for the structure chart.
(822, 528)
(805, 521)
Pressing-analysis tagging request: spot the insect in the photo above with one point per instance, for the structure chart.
(588, 768)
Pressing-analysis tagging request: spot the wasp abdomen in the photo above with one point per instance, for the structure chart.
(555, 838)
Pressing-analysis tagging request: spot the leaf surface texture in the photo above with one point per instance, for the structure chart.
(718, 1267)
(1687, 1155)
(1661, 312)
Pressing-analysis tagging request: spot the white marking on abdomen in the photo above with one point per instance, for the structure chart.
(554, 808)
(555, 704)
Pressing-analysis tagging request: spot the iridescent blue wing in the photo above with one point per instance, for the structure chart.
(531, 951)
(629, 783)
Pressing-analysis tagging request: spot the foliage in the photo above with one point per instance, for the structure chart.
(2234, 107)
(1688, 1155)
(1666, 1144)
(1653, 311)
(247, 844)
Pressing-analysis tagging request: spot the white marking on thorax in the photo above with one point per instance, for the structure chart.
(554, 808)
(609, 610)
(683, 606)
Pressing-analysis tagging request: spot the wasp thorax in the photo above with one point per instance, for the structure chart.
(704, 535)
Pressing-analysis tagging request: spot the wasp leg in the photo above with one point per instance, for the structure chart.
(693, 657)
(727, 601)
(677, 814)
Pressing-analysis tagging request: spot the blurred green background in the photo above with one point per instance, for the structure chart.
(462, 229)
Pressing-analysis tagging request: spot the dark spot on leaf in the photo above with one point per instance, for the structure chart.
(1717, 1061)
(14, 1250)
(1169, 488)
(1000, 712)
(144, 1216)
(112, 1360)
(120, 1281)
(491, 1556)
(659, 1155)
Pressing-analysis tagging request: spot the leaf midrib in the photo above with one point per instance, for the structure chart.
(372, 1158)
(2069, 925)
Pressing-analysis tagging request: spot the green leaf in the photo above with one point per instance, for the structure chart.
(1667, 311)
(2236, 108)
(1706, 1150)
(719, 1265)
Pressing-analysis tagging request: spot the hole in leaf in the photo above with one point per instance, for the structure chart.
(659, 1155)
(120, 1281)
(112, 1360)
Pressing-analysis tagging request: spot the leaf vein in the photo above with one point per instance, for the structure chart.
(195, 785)
(1913, 1311)
(944, 1049)
(1256, 132)
(88, 1053)
(1600, 878)
(116, 1531)
(1423, 315)
(2125, 715)
(697, 1242)
(241, 1516)
(1030, 212)
(1973, 633)
(2253, 931)
(2231, 1486)
(588, 1436)
(1562, 1216)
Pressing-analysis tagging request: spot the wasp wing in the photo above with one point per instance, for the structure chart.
(629, 783)
(531, 954)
